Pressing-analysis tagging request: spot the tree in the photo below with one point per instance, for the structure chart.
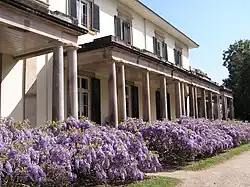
(237, 60)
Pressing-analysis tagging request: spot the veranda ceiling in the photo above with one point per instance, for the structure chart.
(16, 41)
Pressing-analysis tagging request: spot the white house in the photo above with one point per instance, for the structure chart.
(103, 59)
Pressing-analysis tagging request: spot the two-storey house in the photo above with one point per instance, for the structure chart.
(121, 59)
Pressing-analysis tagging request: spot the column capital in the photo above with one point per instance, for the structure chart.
(72, 47)
(56, 43)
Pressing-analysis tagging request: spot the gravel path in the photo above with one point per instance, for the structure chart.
(232, 173)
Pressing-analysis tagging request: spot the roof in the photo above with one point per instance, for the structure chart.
(41, 10)
(108, 41)
(158, 20)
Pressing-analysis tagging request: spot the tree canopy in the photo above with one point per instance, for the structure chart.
(237, 60)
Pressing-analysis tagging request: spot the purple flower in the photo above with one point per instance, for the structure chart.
(8, 168)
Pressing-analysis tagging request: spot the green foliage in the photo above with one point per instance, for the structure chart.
(156, 181)
(220, 158)
(237, 60)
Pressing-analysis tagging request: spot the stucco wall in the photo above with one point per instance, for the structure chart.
(55, 5)
(12, 88)
(27, 88)
(108, 8)
(13, 96)
(143, 30)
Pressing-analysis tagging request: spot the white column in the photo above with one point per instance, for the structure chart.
(231, 109)
(203, 104)
(178, 104)
(210, 105)
(224, 108)
(122, 94)
(146, 96)
(192, 101)
(113, 106)
(72, 81)
(217, 106)
(183, 99)
(58, 85)
(196, 102)
(164, 101)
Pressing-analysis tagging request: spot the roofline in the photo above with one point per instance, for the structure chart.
(225, 89)
(44, 13)
(109, 41)
(145, 6)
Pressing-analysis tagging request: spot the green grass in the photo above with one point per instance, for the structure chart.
(208, 162)
(155, 182)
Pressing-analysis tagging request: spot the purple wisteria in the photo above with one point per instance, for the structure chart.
(78, 152)
(62, 154)
(189, 139)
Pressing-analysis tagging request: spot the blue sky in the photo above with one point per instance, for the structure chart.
(213, 24)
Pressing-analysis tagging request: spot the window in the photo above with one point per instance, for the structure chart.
(178, 57)
(83, 97)
(123, 29)
(160, 47)
(87, 13)
(82, 12)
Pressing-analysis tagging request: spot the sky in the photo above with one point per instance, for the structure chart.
(213, 24)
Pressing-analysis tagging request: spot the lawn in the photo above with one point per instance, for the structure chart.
(220, 158)
(155, 182)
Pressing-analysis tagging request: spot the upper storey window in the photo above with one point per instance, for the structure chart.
(123, 25)
(160, 47)
(178, 56)
(123, 29)
(87, 13)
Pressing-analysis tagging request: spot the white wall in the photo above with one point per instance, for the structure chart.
(143, 30)
(138, 31)
(12, 88)
(12, 97)
(108, 8)
(185, 58)
(59, 5)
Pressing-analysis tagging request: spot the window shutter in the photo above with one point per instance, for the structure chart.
(166, 51)
(135, 102)
(96, 100)
(129, 32)
(72, 8)
(180, 53)
(163, 50)
(124, 33)
(126, 28)
(175, 57)
(95, 22)
(155, 45)
(158, 105)
(117, 27)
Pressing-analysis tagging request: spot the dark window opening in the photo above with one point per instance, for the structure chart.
(178, 57)
(123, 30)
(87, 13)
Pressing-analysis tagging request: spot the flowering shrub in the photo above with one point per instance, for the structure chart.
(175, 144)
(240, 132)
(75, 151)
(188, 139)
(213, 139)
(80, 152)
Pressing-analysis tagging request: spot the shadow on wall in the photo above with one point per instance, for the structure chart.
(25, 86)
